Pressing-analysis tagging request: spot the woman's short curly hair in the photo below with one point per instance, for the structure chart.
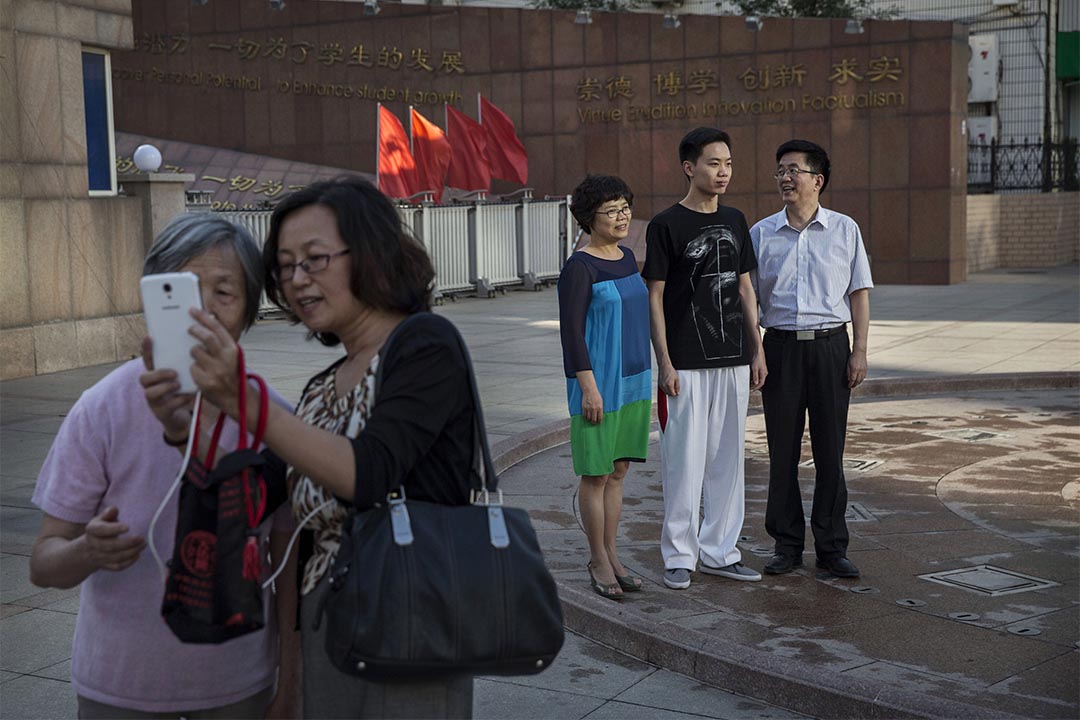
(594, 191)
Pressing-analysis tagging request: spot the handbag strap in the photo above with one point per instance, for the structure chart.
(482, 477)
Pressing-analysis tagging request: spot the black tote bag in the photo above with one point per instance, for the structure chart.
(420, 588)
(213, 592)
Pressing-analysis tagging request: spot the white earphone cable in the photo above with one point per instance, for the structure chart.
(296, 534)
(172, 489)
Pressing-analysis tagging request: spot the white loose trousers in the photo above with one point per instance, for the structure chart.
(701, 457)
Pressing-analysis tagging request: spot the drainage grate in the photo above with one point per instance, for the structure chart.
(968, 434)
(857, 512)
(989, 580)
(852, 464)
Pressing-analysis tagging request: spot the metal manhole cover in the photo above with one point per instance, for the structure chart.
(911, 602)
(852, 464)
(857, 512)
(967, 434)
(989, 580)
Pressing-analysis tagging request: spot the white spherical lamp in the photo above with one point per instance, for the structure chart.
(147, 158)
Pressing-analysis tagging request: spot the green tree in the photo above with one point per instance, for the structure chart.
(604, 5)
(813, 8)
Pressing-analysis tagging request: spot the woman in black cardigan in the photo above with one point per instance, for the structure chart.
(339, 260)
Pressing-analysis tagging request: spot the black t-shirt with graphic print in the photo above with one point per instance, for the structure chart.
(700, 256)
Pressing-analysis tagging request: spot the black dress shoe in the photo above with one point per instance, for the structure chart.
(781, 564)
(839, 566)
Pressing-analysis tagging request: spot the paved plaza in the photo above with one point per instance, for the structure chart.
(963, 450)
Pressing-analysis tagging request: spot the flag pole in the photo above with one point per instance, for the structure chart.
(411, 130)
(378, 139)
(479, 109)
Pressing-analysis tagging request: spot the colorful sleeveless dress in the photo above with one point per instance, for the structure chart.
(604, 324)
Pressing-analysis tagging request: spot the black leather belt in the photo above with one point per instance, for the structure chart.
(806, 334)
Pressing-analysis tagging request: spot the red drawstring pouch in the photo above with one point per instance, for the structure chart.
(213, 591)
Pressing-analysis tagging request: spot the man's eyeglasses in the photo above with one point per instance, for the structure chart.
(793, 172)
(615, 213)
(313, 264)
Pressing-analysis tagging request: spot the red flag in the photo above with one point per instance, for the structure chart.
(505, 151)
(396, 171)
(469, 168)
(431, 151)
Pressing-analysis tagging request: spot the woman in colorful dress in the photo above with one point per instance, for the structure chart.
(604, 320)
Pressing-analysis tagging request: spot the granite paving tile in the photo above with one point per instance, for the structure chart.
(35, 698)
(1048, 690)
(15, 578)
(586, 668)
(976, 656)
(59, 671)
(498, 698)
(27, 649)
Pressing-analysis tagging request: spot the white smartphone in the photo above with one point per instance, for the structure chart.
(167, 299)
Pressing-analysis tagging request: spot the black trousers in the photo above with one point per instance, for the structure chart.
(806, 375)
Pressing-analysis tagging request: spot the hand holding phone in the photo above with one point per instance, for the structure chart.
(167, 302)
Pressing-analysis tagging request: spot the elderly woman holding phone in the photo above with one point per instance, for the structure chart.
(106, 475)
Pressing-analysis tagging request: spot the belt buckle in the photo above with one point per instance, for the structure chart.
(804, 334)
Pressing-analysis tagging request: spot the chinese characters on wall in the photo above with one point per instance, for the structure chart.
(299, 52)
(873, 85)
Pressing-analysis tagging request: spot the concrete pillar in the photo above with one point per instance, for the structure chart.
(162, 196)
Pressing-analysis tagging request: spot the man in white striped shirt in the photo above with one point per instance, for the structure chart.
(812, 278)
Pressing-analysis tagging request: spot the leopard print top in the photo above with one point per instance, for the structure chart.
(346, 415)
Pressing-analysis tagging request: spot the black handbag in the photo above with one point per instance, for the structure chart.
(213, 591)
(420, 588)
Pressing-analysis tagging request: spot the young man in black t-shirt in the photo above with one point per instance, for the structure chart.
(703, 316)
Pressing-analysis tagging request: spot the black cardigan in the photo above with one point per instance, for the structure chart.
(421, 430)
(420, 433)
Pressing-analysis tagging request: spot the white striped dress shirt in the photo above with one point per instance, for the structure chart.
(804, 279)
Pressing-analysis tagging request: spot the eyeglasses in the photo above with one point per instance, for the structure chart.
(313, 264)
(615, 213)
(793, 172)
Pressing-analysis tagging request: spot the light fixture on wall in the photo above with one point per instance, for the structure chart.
(670, 22)
(754, 23)
(147, 158)
(854, 26)
(277, 4)
(583, 17)
(199, 2)
(371, 7)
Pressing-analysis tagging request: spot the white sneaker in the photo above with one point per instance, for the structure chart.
(677, 578)
(734, 571)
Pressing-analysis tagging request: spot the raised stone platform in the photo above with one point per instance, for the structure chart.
(964, 521)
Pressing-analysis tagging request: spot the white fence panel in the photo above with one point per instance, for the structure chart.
(474, 247)
(543, 240)
(412, 217)
(496, 237)
(445, 232)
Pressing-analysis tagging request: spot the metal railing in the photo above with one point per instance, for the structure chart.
(1023, 166)
(477, 247)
